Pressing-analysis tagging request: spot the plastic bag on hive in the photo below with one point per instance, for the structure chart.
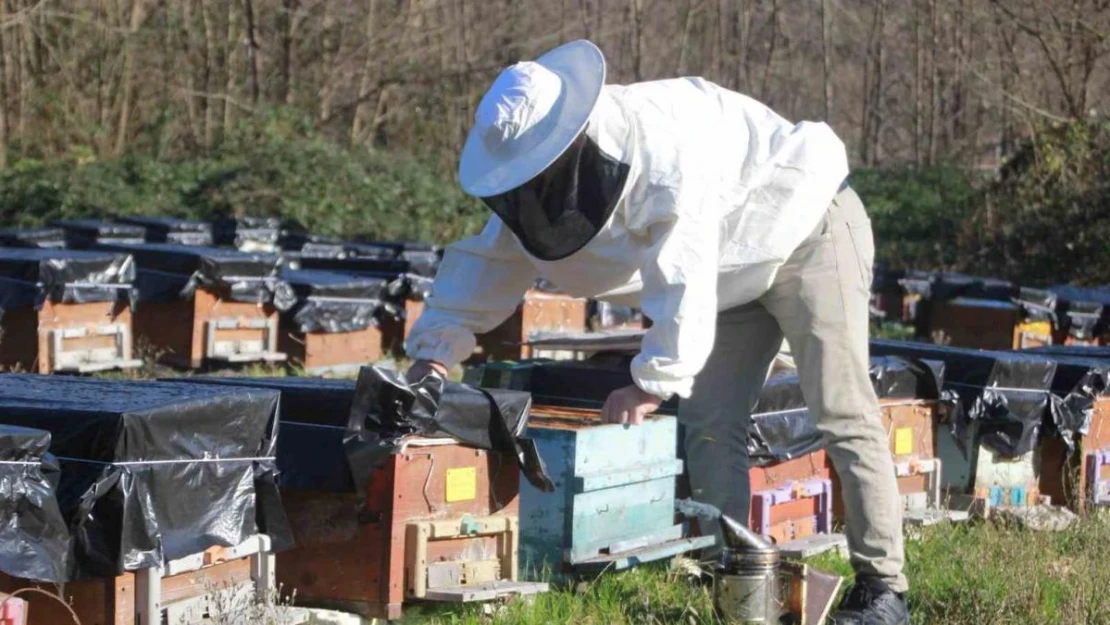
(30, 276)
(386, 409)
(34, 540)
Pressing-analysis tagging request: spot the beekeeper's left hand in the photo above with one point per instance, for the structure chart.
(629, 406)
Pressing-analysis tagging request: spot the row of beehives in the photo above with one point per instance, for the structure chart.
(990, 313)
(375, 505)
(970, 431)
(323, 305)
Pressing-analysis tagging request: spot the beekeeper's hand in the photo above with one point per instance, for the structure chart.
(629, 406)
(422, 368)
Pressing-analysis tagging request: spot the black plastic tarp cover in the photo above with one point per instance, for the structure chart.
(782, 428)
(942, 286)
(386, 408)
(1082, 375)
(30, 276)
(169, 271)
(243, 231)
(1085, 310)
(1006, 394)
(423, 258)
(32, 237)
(173, 230)
(329, 301)
(81, 233)
(34, 540)
(154, 471)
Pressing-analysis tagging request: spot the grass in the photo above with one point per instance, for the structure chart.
(974, 574)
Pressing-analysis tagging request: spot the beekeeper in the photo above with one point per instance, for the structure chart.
(729, 226)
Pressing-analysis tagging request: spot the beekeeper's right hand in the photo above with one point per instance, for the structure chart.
(423, 368)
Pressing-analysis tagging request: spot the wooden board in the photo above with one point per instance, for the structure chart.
(1029, 334)
(809, 467)
(350, 547)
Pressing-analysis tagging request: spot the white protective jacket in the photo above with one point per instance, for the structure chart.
(721, 191)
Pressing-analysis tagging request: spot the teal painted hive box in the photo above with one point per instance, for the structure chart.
(613, 504)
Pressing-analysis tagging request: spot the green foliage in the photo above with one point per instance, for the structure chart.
(280, 167)
(1047, 219)
(916, 213)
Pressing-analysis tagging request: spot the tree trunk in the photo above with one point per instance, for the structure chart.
(826, 56)
(771, 49)
(934, 84)
(636, 8)
(230, 81)
(918, 83)
(26, 76)
(688, 24)
(252, 48)
(209, 75)
(363, 109)
(137, 16)
(190, 72)
(721, 49)
(3, 88)
(285, 58)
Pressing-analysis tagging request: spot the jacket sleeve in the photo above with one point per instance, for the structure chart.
(679, 296)
(479, 284)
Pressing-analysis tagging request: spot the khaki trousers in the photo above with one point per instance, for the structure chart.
(819, 302)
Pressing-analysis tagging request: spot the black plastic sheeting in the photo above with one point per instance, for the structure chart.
(940, 286)
(170, 271)
(336, 302)
(601, 315)
(30, 276)
(336, 432)
(1082, 375)
(782, 428)
(32, 237)
(245, 232)
(154, 471)
(83, 233)
(386, 409)
(173, 230)
(407, 285)
(35, 540)
(1007, 394)
(1083, 311)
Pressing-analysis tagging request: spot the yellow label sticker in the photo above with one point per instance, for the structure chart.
(903, 441)
(462, 484)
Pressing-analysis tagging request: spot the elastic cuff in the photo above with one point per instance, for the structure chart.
(664, 389)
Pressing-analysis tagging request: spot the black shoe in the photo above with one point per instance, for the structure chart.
(871, 602)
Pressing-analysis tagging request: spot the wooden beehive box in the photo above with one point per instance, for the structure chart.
(613, 504)
(539, 312)
(65, 311)
(209, 328)
(438, 521)
(792, 499)
(331, 352)
(966, 322)
(218, 580)
(1080, 479)
(76, 338)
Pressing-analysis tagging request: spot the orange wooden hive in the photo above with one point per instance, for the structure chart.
(65, 311)
(539, 312)
(966, 322)
(336, 322)
(435, 519)
(208, 327)
(200, 305)
(183, 592)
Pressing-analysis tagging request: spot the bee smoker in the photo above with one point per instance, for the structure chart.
(752, 587)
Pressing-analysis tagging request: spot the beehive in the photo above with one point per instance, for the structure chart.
(613, 506)
(184, 591)
(539, 313)
(65, 311)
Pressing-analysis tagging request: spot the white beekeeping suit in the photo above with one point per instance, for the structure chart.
(685, 199)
